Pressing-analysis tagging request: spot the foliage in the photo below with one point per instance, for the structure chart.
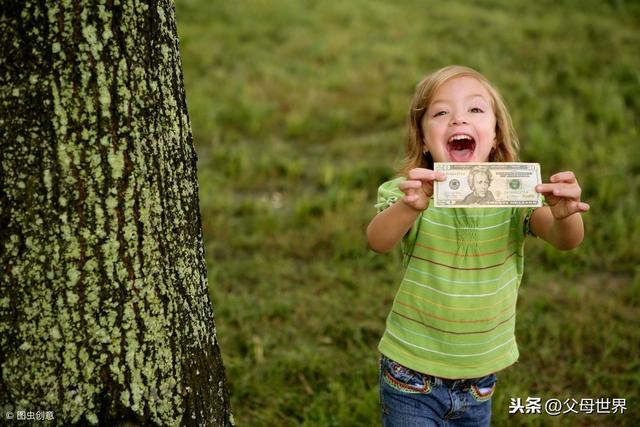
(298, 111)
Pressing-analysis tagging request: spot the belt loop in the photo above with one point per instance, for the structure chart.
(435, 381)
(427, 379)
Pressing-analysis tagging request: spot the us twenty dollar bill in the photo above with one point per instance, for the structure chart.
(495, 184)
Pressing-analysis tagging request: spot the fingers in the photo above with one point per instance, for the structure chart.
(423, 174)
(568, 177)
(410, 189)
(570, 209)
(578, 207)
(411, 198)
(418, 187)
(562, 184)
(563, 195)
(569, 191)
(420, 179)
(413, 189)
(409, 185)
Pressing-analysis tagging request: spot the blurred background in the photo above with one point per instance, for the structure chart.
(298, 111)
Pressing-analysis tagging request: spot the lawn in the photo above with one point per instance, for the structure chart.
(298, 112)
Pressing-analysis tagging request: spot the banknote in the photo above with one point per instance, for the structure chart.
(495, 184)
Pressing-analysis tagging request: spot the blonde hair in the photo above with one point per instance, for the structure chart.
(507, 144)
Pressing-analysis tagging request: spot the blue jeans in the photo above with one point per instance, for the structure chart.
(411, 399)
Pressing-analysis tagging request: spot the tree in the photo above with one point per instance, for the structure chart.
(105, 315)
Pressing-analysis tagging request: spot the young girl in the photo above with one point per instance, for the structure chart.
(451, 326)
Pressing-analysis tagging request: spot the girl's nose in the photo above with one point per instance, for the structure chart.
(458, 119)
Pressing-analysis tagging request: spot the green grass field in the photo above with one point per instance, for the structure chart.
(298, 113)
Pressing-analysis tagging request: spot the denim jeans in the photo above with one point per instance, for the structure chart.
(411, 399)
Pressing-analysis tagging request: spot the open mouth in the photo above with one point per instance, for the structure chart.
(461, 147)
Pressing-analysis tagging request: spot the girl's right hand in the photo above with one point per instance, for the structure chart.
(418, 188)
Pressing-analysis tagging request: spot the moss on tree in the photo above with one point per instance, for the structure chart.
(105, 312)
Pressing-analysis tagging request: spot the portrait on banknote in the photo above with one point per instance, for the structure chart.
(479, 182)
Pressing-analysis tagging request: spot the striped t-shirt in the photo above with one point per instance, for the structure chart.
(455, 310)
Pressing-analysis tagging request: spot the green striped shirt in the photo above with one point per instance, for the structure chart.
(455, 310)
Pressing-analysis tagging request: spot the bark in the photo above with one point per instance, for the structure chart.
(105, 313)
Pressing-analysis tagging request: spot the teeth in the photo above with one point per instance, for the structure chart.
(459, 137)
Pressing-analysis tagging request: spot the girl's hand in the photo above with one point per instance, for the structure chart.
(418, 188)
(563, 195)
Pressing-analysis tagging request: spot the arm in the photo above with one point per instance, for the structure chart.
(560, 223)
(388, 227)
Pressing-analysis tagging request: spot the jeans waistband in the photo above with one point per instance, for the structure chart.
(454, 384)
(461, 384)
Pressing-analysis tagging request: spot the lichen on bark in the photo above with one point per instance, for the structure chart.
(104, 306)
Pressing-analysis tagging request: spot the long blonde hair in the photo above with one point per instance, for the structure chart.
(507, 144)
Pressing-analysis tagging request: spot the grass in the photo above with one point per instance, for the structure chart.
(298, 112)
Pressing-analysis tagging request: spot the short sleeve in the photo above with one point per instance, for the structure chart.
(526, 223)
(388, 194)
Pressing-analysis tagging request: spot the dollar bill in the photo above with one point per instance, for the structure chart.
(475, 185)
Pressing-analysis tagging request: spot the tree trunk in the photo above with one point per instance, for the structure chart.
(105, 314)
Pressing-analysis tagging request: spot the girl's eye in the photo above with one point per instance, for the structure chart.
(476, 110)
(439, 113)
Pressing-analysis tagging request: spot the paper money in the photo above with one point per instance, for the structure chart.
(481, 185)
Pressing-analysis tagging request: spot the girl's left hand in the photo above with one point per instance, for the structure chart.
(563, 195)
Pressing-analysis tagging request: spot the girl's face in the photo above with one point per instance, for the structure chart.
(460, 124)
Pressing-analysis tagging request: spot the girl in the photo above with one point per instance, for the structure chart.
(451, 326)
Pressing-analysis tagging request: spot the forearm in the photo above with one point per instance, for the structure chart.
(568, 232)
(565, 234)
(388, 227)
